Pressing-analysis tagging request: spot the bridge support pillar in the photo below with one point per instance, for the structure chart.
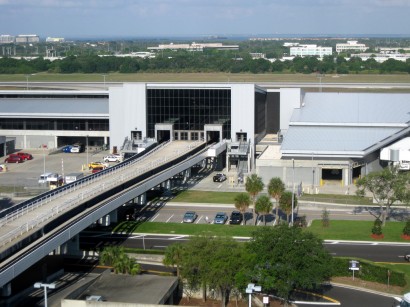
(73, 246)
(6, 290)
(114, 216)
(142, 199)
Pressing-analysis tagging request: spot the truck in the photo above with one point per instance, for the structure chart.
(73, 177)
(47, 177)
(56, 182)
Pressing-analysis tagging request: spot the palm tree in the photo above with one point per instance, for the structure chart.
(285, 203)
(253, 185)
(275, 189)
(173, 256)
(263, 206)
(242, 202)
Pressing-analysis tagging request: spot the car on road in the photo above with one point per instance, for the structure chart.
(94, 165)
(219, 177)
(67, 148)
(220, 218)
(13, 158)
(407, 256)
(96, 170)
(77, 148)
(235, 218)
(25, 156)
(112, 158)
(189, 217)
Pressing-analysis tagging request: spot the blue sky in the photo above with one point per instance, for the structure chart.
(141, 18)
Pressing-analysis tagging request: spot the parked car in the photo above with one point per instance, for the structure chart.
(112, 158)
(13, 158)
(407, 256)
(67, 148)
(220, 218)
(236, 218)
(219, 177)
(25, 156)
(97, 169)
(189, 217)
(77, 148)
(93, 165)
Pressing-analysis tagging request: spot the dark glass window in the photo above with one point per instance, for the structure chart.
(189, 109)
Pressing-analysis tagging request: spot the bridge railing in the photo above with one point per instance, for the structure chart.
(121, 177)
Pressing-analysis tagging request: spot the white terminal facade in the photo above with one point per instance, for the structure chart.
(351, 46)
(326, 136)
(310, 50)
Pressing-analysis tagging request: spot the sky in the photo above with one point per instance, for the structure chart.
(162, 18)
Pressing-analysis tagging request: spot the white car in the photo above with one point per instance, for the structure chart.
(112, 158)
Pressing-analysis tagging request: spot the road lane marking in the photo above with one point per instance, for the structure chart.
(198, 220)
(179, 237)
(155, 216)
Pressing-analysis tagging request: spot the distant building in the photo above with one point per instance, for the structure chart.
(6, 39)
(290, 44)
(351, 46)
(382, 57)
(257, 55)
(391, 50)
(194, 46)
(55, 40)
(310, 50)
(27, 38)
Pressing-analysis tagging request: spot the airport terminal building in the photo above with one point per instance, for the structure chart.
(308, 137)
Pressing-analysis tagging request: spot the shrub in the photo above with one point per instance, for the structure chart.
(406, 229)
(377, 227)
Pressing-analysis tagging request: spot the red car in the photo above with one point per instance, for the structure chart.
(13, 158)
(25, 156)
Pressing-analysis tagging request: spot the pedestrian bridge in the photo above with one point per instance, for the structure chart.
(33, 229)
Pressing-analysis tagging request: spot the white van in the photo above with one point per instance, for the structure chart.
(47, 177)
(73, 177)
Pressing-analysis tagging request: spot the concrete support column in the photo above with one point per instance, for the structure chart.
(6, 290)
(55, 141)
(105, 140)
(142, 199)
(114, 216)
(73, 246)
(346, 176)
(25, 141)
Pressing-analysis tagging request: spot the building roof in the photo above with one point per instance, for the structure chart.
(52, 107)
(349, 125)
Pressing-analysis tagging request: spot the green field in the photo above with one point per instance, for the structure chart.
(206, 77)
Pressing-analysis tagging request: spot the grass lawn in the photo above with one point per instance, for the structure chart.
(192, 196)
(205, 77)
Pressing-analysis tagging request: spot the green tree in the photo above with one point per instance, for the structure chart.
(325, 218)
(263, 206)
(286, 258)
(387, 187)
(377, 227)
(285, 203)
(242, 202)
(275, 189)
(173, 256)
(254, 185)
(116, 257)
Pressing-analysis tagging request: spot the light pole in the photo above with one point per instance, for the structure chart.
(28, 76)
(293, 188)
(86, 148)
(250, 289)
(39, 285)
(313, 175)
(104, 79)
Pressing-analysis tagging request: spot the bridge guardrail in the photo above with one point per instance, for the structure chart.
(115, 181)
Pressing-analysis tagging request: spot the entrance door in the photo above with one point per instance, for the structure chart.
(213, 136)
(163, 136)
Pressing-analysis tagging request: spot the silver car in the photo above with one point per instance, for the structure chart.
(220, 218)
(189, 217)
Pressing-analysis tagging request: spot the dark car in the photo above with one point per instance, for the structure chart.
(219, 177)
(235, 218)
(13, 158)
(25, 156)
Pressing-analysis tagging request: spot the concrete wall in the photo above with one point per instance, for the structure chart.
(243, 110)
(127, 107)
(290, 98)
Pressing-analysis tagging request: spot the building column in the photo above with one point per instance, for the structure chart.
(6, 290)
(55, 141)
(142, 199)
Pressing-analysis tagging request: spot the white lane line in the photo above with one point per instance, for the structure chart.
(153, 219)
(135, 237)
(169, 218)
(180, 237)
(198, 220)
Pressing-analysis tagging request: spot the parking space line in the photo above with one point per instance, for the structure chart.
(198, 220)
(169, 218)
(155, 216)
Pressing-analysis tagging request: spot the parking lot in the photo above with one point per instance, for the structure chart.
(26, 174)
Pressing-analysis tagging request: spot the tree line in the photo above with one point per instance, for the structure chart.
(196, 62)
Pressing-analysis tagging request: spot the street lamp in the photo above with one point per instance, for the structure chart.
(250, 289)
(104, 79)
(86, 147)
(293, 188)
(39, 285)
(28, 76)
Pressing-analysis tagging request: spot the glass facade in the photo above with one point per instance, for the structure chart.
(189, 109)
